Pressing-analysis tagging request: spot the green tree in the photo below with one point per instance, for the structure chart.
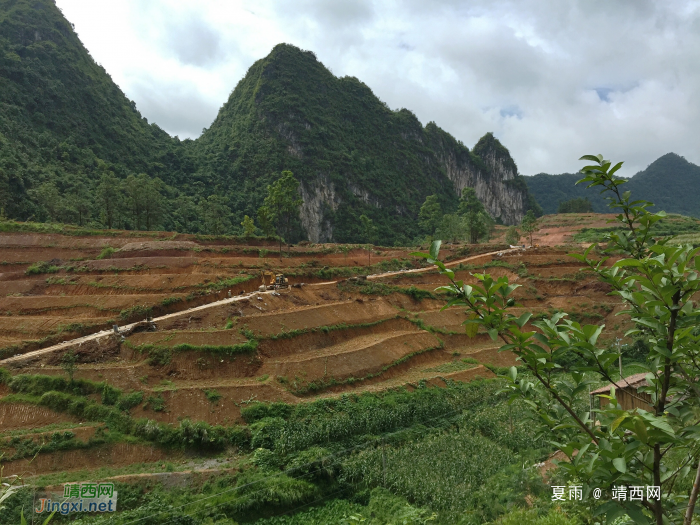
(185, 214)
(79, 201)
(454, 227)
(266, 224)
(248, 226)
(529, 224)
(49, 198)
(430, 215)
(282, 205)
(473, 211)
(217, 214)
(577, 205)
(512, 235)
(610, 446)
(152, 200)
(108, 198)
(134, 200)
(369, 233)
(68, 363)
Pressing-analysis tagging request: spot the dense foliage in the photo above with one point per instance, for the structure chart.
(74, 149)
(578, 205)
(458, 454)
(670, 181)
(615, 445)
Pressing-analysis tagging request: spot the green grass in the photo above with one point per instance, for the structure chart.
(455, 366)
(213, 396)
(106, 253)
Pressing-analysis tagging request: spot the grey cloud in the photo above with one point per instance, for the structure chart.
(179, 109)
(328, 15)
(552, 79)
(194, 42)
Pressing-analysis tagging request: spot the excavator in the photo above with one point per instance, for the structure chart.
(277, 281)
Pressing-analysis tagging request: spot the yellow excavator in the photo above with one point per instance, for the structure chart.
(276, 281)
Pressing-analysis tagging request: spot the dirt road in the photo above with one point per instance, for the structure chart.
(228, 300)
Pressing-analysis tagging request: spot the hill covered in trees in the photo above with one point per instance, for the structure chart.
(74, 148)
(670, 182)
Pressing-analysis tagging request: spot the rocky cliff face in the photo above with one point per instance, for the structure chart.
(352, 154)
(319, 198)
(489, 169)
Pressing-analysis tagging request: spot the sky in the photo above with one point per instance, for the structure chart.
(552, 79)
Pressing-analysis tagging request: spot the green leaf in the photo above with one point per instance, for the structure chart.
(493, 333)
(594, 158)
(620, 465)
(523, 319)
(641, 430)
(435, 249)
(635, 512)
(513, 373)
(627, 262)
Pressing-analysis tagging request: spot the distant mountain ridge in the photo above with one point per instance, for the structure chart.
(65, 127)
(670, 182)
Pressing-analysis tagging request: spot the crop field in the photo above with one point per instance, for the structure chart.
(332, 394)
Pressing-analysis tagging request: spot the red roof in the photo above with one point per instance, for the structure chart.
(633, 381)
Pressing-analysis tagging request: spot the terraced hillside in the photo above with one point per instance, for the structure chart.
(217, 346)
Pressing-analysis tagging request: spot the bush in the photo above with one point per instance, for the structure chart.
(213, 396)
(40, 267)
(578, 205)
(129, 401)
(266, 431)
(37, 385)
(106, 253)
(110, 395)
(256, 412)
(155, 403)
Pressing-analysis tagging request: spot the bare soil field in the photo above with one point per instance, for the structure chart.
(216, 344)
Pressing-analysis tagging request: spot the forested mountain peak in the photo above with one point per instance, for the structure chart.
(72, 145)
(670, 182)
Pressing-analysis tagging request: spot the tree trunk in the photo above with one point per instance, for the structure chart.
(693, 499)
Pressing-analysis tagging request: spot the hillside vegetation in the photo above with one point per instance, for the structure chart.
(74, 149)
(345, 398)
(670, 182)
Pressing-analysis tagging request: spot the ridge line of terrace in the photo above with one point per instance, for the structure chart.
(227, 300)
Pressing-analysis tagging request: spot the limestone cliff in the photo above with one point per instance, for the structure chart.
(351, 153)
(489, 169)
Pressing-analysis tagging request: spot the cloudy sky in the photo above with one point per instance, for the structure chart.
(553, 79)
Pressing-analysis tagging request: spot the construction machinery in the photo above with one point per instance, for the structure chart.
(275, 282)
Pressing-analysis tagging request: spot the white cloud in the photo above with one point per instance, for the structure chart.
(553, 80)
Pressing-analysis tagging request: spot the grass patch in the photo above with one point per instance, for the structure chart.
(155, 403)
(106, 253)
(213, 396)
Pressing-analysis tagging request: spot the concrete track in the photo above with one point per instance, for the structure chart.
(228, 300)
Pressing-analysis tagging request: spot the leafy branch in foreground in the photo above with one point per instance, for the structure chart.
(612, 446)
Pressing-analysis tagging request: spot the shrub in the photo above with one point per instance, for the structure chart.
(106, 253)
(110, 395)
(159, 356)
(40, 267)
(257, 411)
(155, 403)
(129, 401)
(213, 396)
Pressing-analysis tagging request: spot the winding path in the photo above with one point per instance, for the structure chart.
(228, 300)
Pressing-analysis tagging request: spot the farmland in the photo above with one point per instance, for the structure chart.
(351, 392)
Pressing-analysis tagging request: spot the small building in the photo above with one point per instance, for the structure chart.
(627, 394)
